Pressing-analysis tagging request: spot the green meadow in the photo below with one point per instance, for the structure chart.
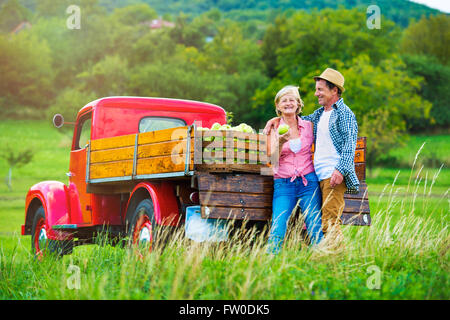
(404, 254)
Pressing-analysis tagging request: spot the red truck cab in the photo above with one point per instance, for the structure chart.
(59, 215)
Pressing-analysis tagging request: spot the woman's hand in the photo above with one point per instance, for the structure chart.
(282, 139)
(271, 124)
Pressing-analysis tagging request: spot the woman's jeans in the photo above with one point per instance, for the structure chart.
(285, 197)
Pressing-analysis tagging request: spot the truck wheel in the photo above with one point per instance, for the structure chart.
(142, 225)
(40, 244)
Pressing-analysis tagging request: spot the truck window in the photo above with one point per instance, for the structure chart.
(84, 132)
(159, 123)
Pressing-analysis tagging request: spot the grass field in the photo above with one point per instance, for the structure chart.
(405, 251)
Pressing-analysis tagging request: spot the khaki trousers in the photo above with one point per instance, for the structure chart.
(332, 207)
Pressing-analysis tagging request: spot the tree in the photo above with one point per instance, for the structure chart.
(26, 76)
(430, 37)
(134, 14)
(385, 100)
(15, 158)
(11, 14)
(108, 77)
(434, 89)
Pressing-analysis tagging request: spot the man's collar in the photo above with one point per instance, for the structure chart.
(338, 103)
(335, 105)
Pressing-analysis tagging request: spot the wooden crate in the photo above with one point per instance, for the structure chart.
(357, 210)
(244, 152)
(235, 196)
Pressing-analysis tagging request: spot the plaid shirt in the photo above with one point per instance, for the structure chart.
(343, 132)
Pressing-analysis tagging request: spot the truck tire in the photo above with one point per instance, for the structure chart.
(41, 246)
(142, 225)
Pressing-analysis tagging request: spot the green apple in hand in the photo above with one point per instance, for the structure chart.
(283, 129)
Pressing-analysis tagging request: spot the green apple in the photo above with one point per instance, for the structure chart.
(216, 126)
(283, 129)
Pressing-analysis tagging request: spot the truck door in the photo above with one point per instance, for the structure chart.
(77, 171)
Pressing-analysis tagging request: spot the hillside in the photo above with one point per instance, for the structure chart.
(400, 11)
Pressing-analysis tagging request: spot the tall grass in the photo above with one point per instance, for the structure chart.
(408, 242)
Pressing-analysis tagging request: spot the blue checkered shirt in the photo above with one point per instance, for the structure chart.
(343, 132)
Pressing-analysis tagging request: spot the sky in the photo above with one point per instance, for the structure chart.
(443, 5)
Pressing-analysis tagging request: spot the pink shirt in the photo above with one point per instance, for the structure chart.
(293, 165)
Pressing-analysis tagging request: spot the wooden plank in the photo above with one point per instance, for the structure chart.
(172, 134)
(356, 219)
(163, 164)
(239, 200)
(260, 214)
(231, 134)
(356, 206)
(113, 142)
(235, 144)
(108, 155)
(163, 148)
(236, 167)
(229, 156)
(361, 143)
(362, 194)
(360, 155)
(111, 169)
(360, 169)
(266, 215)
(235, 183)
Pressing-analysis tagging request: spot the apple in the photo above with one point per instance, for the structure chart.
(283, 129)
(247, 128)
(216, 126)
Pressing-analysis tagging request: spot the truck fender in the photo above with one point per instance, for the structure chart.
(54, 198)
(165, 203)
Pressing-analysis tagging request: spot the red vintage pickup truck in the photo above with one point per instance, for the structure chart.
(134, 169)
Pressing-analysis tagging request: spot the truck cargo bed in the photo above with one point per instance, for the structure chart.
(232, 170)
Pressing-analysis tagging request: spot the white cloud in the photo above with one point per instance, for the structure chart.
(443, 5)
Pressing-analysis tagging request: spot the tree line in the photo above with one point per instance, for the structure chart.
(396, 78)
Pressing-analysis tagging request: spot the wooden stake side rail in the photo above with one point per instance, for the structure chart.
(129, 157)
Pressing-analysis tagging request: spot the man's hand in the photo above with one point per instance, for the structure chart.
(336, 178)
(271, 124)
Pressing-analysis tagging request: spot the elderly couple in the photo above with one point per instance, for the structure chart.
(318, 186)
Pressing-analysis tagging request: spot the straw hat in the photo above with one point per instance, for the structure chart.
(334, 76)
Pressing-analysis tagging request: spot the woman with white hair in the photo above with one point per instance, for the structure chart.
(294, 176)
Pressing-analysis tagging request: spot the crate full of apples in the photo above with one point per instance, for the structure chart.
(236, 148)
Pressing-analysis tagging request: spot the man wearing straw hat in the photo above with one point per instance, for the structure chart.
(335, 134)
